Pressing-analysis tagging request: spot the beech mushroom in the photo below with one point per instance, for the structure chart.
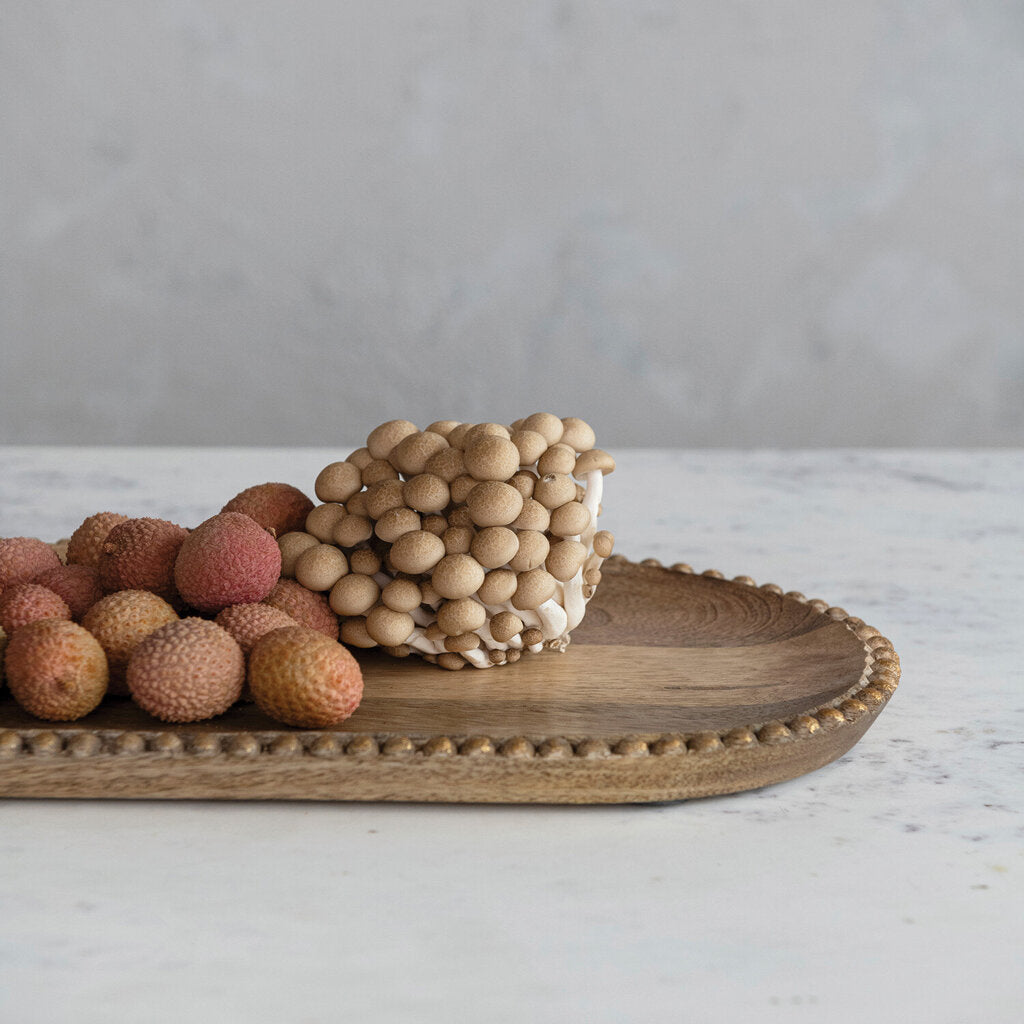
(457, 576)
(383, 439)
(492, 503)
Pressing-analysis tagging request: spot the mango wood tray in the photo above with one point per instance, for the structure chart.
(676, 685)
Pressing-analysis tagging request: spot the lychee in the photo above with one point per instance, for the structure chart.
(307, 607)
(86, 543)
(22, 559)
(56, 669)
(300, 677)
(78, 584)
(139, 554)
(228, 559)
(248, 622)
(186, 671)
(120, 622)
(278, 507)
(23, 603)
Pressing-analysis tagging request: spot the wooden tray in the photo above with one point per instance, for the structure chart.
(676, 685)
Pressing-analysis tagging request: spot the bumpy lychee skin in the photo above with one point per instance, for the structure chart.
(229, 559)
(186, 671)
(300, 677)
(248, 622)
(23, 603)
(22, 559)
(120, 622)
(275, 506)
(307, 607)
(56, 670)
(79, 585)
(139, 554)
(86, 543)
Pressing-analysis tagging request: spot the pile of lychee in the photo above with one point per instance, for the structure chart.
(466, 544)
(185, 622)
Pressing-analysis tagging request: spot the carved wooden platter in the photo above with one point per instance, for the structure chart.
(676, 685)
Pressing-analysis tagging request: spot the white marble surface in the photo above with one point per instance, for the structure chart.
(888, 886)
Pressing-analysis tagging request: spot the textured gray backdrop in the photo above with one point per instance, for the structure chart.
(702, 223)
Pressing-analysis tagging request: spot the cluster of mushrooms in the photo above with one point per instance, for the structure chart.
(462, 543)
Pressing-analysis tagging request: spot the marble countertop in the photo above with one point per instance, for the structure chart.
(887, 886)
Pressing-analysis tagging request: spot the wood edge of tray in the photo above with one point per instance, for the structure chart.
(162, 763)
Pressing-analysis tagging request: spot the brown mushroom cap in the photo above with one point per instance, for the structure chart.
(461, 486)
(498, 586)
(451, 661)
(462, 642)
(435, 524)
(388, 627)
(591, 460)
(356, 505)
(443, 427)
(531, 446)
(354, 634)
(410, 455)
(559, 458)
(570, 519)
(505, 625)
(365, 561)
(380, 497)
(555, 489)
(531, 636)
(320, 521)
(352, 530)
(338, 482)
(604, 542)
(457, 576)
(457, 435)
(533, 517)
(448, 464)
(491, 457)
(426, 493)
(494, 546)
(402, 595)
(565, 558)
(458, 539)
(383, 439)
(395, 522)
(353, 594)
(292, 545)
(533, 549)
(320, 567)
(533, 589)
(546, 424)
(524, 482)
(416, 552)
(461, 616)
(577, 433)
(492, 503)
(360, 457)
(376, 471)
(460, 517)
(480, 430)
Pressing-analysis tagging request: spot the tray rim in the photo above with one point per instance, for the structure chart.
(866, 698)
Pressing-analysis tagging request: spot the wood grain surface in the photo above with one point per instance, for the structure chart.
(675, 685)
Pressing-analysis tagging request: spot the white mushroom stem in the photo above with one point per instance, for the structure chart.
(553, 620)
(573, 600)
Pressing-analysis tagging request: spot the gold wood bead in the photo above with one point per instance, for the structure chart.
(517, 747)
(631, 747)
(705, 743)
(397, 746)
(669, 745)
(439, 746)
(85, 744)
(555, 748)
(774, 733)
(477, 746)
(740, 738)
(592, 749)
(325, 746)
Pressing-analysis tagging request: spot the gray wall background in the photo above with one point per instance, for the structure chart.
(701, 223)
